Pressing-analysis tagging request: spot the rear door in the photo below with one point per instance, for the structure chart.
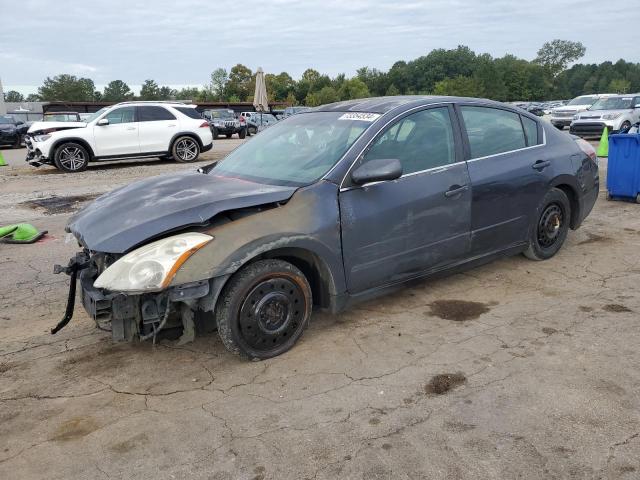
(510, 172)
(157, 127)
(395, 230)
(120, 136)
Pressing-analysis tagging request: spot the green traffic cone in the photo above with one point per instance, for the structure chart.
(603, 147)
(2, 162)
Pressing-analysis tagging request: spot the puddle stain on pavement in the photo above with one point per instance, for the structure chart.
(56, 205)
(442, 383)
(459, 310)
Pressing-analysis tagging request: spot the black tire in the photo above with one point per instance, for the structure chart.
(215, 133)
(264, 309)
(71, 157)
(242, 133)
(551, 226)
(185, 149)
(19, 142)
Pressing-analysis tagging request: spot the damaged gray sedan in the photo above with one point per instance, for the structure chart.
(324, 209)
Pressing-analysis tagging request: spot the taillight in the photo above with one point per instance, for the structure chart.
(587, 148)
(204, 125)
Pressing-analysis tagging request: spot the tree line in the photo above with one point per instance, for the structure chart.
(458, 71)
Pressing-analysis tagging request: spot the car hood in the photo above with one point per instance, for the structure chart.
(7, 126)
(54, 126)
(137, 213)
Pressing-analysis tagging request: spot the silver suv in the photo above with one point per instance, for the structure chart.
(615, 113)
(563, 116)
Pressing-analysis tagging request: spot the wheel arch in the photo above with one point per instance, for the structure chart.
(184, 134)
(568, 185)
(79, 140)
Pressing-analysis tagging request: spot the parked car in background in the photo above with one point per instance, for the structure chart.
(293, 110)
(615, 113)
(62, 117)
(12, 131)
(257, 121)
(122, 131)
(328, 208)
(224, 122)
(563, 116)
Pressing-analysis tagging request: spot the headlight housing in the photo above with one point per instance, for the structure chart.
(611, 116)
(153, 266)
(41, 138)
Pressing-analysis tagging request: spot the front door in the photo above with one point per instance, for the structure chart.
(395, 230)
(120, 136)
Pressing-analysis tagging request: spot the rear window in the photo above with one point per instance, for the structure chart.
(492, 131)
(154, 114)
(530, 130)
(189, 112)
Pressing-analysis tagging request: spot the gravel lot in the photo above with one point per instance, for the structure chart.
(518, 369)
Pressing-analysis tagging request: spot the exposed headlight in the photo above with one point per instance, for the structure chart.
(611, 116)
(153, 266)
(41, 138)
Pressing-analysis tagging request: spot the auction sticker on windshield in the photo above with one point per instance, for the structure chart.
(365, 117)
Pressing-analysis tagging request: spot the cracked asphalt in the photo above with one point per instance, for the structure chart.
(517, 369)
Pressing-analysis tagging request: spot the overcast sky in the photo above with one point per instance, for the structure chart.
(179, 42)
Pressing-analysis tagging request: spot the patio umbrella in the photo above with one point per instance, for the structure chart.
(3, 108)
(260, 101)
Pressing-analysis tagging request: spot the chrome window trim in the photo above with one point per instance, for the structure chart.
(439, 169)
(544, 143)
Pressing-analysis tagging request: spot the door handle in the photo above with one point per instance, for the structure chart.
(131, 128)
(455, 190)
(541, 165)
(171, 125)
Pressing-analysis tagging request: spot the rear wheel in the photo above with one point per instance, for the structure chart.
(71, 157)
(215, 133)
(550, 231)
(264, 309)
(242, 133)
(185, 150)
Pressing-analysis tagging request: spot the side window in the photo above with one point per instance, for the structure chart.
(420, 141)
(121, 115)
(154, 114)
(530, 130)
(492, 131)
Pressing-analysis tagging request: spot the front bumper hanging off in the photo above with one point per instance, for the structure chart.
(132, 316)
(77, 263)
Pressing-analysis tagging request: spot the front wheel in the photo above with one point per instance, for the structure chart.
(242, 133)
(264, 309)
(185, 150)
(71, 157)
(552, 226)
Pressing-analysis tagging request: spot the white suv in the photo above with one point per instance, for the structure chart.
(125, 130)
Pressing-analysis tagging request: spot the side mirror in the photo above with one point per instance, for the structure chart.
(377, 171)
(103, 121)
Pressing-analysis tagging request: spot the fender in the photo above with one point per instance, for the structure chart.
(309, 222)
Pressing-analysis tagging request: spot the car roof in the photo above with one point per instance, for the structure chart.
(386, 104)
